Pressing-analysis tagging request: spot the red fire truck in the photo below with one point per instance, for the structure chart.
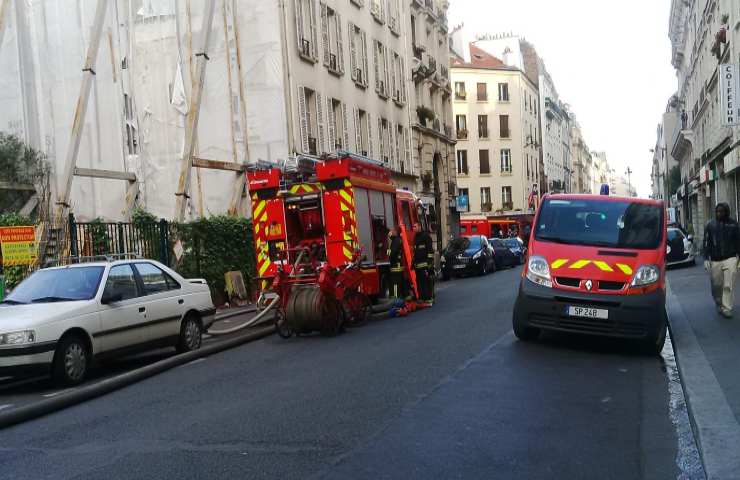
(497, 226)
(323, 226)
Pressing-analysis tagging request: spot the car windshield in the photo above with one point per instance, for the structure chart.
(57, 285)
(474, 243)
(602, 223)
(512, 243)
(459, 244)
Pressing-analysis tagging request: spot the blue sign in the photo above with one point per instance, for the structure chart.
(462, 203)
(604, 189)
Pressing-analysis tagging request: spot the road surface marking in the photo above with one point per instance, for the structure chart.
(2, 407)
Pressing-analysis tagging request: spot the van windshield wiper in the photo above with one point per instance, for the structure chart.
(52, 299)
(9, 301)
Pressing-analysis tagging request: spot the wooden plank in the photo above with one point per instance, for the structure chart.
(17, 186)
(88, 72)
(219, 165)
(191, 123)
(109, 174)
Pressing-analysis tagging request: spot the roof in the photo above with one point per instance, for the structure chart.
(609, 198)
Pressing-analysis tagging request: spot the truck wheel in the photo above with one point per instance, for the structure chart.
(653, 345)
(522, 332)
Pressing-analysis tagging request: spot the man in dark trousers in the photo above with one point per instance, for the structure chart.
(395, 257)
(721, 249)
(424, 264)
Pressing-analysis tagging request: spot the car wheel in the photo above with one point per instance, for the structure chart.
(191, 334)
(71, 360)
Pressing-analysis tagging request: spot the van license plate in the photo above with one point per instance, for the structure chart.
(587, 312)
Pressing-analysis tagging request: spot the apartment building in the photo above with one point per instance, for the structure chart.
(662, 176)
(582, 161)
(703, 35)
(433, 145)
(600, 173)
(496, 123)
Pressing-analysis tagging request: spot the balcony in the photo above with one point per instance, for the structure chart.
(461, 96)
(486, 207)
(507, 206)
(462, 134)
(682, 143)
(448, 131)
(431, 65)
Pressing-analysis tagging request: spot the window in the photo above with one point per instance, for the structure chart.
(406, 214)
(461, 122)
(462, 162)
(463, 192)
(402, 149)
(503, 92)
(380, 53)
(305, 20)
(482, 92)
(154, 279)
(398, 85)
(331, 39)
(384, 140)
(504, 126)
(505, 160)
(363, 133)
(121, 281)
(485, 165)
(394, 16)
(482, 126)
(460, 91)
(358, 55)
(310, 113)
(485, 199)
(337, 127)
(377, 8)
(506, 198)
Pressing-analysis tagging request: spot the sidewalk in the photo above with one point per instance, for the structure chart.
(708, 354)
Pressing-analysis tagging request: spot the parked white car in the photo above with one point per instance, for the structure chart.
(59, 319)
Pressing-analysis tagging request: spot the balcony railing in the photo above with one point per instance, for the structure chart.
(448, 131)
(462, 134)
(508, 206)
(486, 207)
(461, 96)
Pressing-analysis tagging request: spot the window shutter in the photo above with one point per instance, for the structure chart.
(345, 127)
(303, 118)
(370, 151)
(393, 78)
(403, 80)
(325, 32)
(352, 51)
(365, 68)
(340, 42)
(332, 124)
(299, 23)
(321, 147)
(381, 144)
(358, 132)
(314, 30)
(387, 72)
(377, 65)
(407, 150)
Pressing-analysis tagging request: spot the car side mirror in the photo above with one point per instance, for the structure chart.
(109, 298)
(691, 238)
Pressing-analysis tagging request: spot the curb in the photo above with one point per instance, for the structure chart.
(715, 428)
(229, 314)
(50, 405)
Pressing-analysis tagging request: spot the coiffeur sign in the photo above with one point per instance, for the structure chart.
(18, 245)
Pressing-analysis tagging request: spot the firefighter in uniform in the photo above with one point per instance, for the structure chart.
(424, 264)
(395, 258)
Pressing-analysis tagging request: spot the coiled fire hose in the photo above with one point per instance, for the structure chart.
(248, 323)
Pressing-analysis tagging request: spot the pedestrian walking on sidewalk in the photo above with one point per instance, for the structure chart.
(721, 250)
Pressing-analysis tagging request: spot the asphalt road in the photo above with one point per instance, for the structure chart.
(444, 393)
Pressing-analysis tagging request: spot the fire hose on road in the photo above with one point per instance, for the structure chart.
(249, 323)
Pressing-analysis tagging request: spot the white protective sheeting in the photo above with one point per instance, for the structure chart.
(140, 96)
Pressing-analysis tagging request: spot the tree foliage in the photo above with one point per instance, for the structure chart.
(21, 164)
(674, 179)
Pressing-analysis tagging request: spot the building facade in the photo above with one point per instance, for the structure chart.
(496, 122)
(702, 37)
(664, 165)
(582, 161)
(600, 173)
(433, 142)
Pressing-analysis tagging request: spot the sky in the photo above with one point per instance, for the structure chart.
(610, 60)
